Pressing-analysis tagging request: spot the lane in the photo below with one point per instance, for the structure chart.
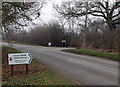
(86, 69)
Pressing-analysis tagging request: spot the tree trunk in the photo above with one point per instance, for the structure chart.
(85, 31)
(111, 35)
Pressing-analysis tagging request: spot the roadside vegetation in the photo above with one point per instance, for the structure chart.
(74, 24)
(112, 56)
(26, 43)
(80, 24)
(39, 74)
(0, 65)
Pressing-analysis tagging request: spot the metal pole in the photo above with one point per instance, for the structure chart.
(62, 44)
(12, 70)
(27, 69)
(65, 44)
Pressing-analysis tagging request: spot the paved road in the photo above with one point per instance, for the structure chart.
(81, 69)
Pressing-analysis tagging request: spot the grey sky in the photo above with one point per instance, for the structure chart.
(47, 11)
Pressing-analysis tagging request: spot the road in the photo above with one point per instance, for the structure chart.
(79, 68)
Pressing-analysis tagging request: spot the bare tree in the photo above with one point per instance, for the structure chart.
(106, 10)
(102, 9)
(17, 15)
(20, 14)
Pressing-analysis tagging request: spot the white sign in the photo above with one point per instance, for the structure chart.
(49, 44)
(19, 58)
(63, 40)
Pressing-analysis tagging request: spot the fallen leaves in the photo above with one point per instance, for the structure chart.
(19, 71)
(4, 82)
(39, 74)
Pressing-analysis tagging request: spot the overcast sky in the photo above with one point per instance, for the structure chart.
(47, 12)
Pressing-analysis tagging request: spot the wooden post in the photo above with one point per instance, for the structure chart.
(12, 70)
(27, 69)
(65, 44)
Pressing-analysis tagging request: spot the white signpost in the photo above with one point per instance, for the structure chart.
(63, 42)
(49, 44)
(19, 58)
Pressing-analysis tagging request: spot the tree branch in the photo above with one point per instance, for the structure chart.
(101, 5)
(116, 15)
(117, 19)
(97, 15)
(117, 5)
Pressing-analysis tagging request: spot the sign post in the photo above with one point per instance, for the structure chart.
(63, 42)
(12, 70)
(49, 44)
(27, 69)
(19, 58)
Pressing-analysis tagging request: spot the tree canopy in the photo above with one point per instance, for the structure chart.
(16, 15)
(103, 9)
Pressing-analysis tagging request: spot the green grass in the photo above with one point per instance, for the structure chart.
(0, 67)
(111, 56)
(39, 74)
(0, 83)
(41, 77)
(26, 43)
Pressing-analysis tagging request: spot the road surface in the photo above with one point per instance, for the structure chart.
(81, 69)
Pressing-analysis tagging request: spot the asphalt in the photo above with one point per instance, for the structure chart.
(87, 70)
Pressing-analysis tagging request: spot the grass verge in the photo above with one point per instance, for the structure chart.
(28, 44)
(0, 65)
(25, 43)
(39, 74)
(112, 56)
